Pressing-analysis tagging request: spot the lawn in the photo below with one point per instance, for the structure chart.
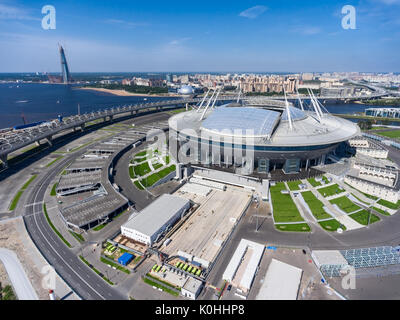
(99, 227)
(53, 190)
(381, 211)
(152, 179)
(294, 185)
(54, 228)
(77, 236)
(113, 264)
(138, 185)
(296, 227)
(389, 134)
(345, 204)
(315, 205)
(314, 182)
(131, 172)
(18, 195)
(284, 208)
(330, 191)
(331, 225)
(362, 217)
(14, 201)
(389, 204)
(141, 169)
(359, 199)
(50, 163)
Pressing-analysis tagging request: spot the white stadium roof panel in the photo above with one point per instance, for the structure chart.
(295, 113)
(238, 120)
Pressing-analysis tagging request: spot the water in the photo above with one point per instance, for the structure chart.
(40, 102)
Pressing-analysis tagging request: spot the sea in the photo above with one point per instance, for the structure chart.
(41, 102)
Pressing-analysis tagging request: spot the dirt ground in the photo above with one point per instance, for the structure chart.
(14, 237)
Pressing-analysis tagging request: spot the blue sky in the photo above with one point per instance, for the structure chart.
(254, 36)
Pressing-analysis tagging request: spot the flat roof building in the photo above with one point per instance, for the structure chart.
(156, 218)
(281, 282)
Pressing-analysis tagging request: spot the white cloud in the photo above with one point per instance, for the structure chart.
(253, 12)
(8, 12)
(125, 23)
(307, 30)
(178, 42)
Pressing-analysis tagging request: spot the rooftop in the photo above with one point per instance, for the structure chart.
(155, 215)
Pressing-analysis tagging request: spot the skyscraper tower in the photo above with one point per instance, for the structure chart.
(66, 77)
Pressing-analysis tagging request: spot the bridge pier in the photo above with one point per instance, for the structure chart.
(49, 140)
(3, 159)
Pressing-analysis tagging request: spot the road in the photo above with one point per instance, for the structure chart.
(21, 284)
(87, 284)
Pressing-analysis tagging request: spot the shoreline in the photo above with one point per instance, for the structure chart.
(123, 93)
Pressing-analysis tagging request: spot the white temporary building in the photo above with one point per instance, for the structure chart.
(251, 268)
(281, 282)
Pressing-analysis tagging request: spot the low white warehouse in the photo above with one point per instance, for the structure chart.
(153, 220)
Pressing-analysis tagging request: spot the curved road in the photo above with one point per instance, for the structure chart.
(17, 275)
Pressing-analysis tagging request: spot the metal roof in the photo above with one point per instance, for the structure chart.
(295, 113)
(156, 214)
(237, 120)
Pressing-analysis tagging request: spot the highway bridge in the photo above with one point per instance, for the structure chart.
(13, 140)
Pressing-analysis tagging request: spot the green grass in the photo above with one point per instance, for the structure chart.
(389, 204)
(389, 134)
(381, 211)
(54, 228)
(157, 166)
(294, 185)
(359, 199)
(285, 209)
(53, 190)
(28, 182)
(298, 227)
(113, 264)
(142, 169)
(330, 191)
(325, 179)
(314, 182)
(166, 288)
(345, 204)
(99, 227)
(315, 205)
(95, 270)
(138, 185)
(153, 178)
(14, 201)
(362, 217)
(7, 293)
(50, 163)
(78, 236)
(331, 225)
(18, 195)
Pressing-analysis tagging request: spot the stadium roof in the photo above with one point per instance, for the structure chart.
(157, 214)
(295, 113)
(237, 120)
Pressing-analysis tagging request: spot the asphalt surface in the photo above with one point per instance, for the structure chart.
(84, 281)
(17, 275)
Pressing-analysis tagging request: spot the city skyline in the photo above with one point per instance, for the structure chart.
(265, 36)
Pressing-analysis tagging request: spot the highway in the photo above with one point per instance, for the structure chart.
(84, 281)
(17, 275)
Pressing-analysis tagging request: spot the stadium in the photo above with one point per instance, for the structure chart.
(258, 134)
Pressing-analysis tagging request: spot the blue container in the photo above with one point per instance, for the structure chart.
(125, 258)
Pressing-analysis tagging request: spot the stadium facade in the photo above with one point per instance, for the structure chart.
(257, 136)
